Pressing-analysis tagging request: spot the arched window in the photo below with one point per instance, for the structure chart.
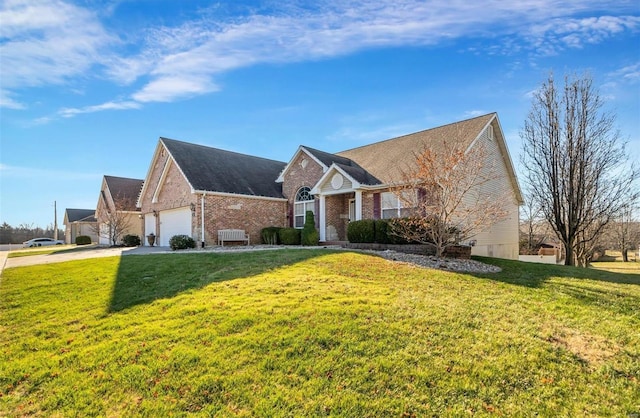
(304, 202)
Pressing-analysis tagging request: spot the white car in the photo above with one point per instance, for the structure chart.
(39, 242)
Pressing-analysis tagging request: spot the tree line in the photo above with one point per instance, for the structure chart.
(25, 232)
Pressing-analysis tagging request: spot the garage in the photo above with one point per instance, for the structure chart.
(174, 222)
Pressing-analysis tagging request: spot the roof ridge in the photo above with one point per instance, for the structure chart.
(417, 132)
(162, 138)
(123, 178)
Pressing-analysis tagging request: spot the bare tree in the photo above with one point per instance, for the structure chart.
(575, 164)
(624, 232)
(530, 216)
(445, 191)
(114, 218)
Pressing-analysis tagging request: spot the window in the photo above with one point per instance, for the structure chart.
(490, 133)
(392, 206)
(304, 202)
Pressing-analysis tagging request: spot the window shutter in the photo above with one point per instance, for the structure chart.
(422, 195)
(316, 212)
(376, 206)
(290, 215)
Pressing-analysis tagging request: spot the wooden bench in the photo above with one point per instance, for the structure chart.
(232, 235)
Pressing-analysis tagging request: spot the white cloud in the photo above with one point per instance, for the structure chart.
(70, 112)
(555, 35)
(46, 42)
(630, 73)
(7, 102)
(51, 41)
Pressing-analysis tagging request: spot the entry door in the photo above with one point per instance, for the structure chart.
(352, 210)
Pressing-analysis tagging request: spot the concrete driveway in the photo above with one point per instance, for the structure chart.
(74, 255)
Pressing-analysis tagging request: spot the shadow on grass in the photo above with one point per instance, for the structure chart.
(535, 274)
(144, 278)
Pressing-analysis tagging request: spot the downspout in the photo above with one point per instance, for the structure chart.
(202, 219)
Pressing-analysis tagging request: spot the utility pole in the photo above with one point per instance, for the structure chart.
(55, 221)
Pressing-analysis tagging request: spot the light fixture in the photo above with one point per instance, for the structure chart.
(155, 213)
(193, 208)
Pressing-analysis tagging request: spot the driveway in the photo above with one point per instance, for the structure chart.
(74, 255)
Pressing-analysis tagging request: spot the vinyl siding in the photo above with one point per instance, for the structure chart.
(501, 239)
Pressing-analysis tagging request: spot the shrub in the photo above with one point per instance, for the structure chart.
(289, 236)
(380, 226)
(269, 235)
(181, 242)
(131, 240)
(361, 231)
(83, 240)
(309, 234)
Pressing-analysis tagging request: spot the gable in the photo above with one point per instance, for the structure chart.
(386, 160)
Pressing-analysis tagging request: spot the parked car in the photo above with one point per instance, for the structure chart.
(39, 242)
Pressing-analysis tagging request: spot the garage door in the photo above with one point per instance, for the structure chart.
(174, 222)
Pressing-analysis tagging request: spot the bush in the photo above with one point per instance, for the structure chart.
(269, 235)
(83, 240)
(131, 240)
(289, 236)
(380, 228)
(309, 234)
(181, 242)
(361, 231)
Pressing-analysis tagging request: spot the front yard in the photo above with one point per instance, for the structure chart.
(315, 332)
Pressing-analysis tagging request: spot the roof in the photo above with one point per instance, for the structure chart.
(80, 215)
(399, 152)
(350, 167)
(215, 170)
(124, 190)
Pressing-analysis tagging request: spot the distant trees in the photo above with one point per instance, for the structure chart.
(25, 232)
(575, 164)
(444, 192)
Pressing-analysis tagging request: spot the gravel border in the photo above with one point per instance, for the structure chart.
(427, 261)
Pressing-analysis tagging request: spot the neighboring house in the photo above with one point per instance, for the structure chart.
(79, 222)
(117, 207)
(196, 190)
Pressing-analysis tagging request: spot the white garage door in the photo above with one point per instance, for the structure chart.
(174, 222)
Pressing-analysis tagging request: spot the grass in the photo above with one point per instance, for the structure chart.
(617, 266)
(313, 332)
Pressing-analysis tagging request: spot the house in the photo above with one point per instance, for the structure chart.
(116, 211)
(80, 222)
(197, 190)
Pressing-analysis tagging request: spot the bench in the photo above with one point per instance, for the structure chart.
(232, 235)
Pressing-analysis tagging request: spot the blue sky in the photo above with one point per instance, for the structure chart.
(87, 87)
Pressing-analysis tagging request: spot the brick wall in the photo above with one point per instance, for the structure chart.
(231, 212)
(337, 213)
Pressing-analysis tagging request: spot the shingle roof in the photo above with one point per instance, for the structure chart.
(216, 170)
(352, 168)
(84, 215)
(125, 190)
(385, 160)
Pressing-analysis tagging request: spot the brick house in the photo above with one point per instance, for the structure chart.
(198, 190)
(80, 222)
(117, 205)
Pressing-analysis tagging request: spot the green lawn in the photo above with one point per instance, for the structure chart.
(314, 333)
